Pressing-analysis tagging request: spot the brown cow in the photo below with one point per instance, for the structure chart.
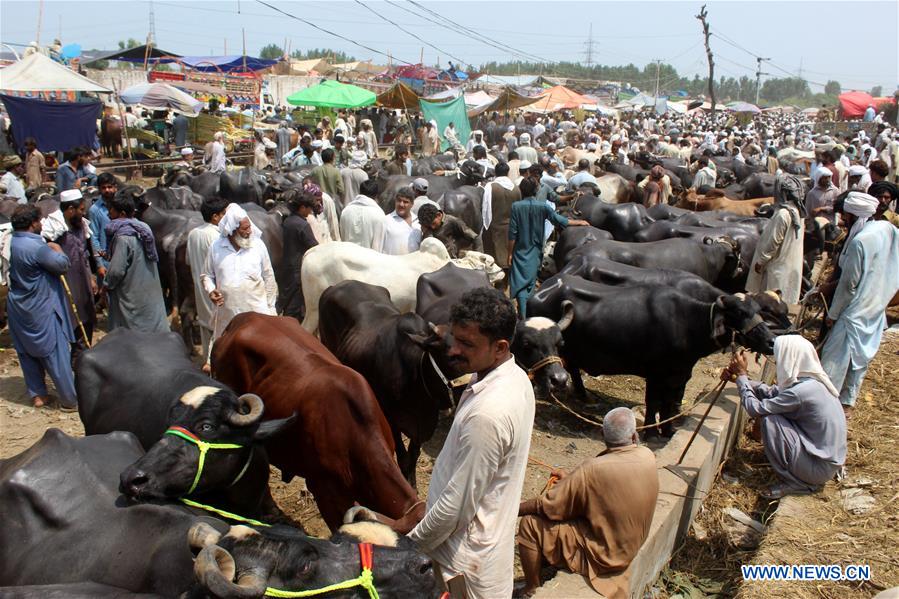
(715, 200)
(341, 442)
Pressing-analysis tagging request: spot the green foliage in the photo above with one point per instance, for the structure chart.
(271, 52)
(336, 56)
(777, 90)
(833, 88)
(131, 43)
(790, 90)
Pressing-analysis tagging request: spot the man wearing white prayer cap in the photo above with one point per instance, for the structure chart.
(187, 156)
(525, 151)
(238, 275)
(869, 279)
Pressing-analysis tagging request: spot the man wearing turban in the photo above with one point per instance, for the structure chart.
(238, 275)
(868, 281)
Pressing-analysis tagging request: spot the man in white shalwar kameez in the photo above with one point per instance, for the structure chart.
(199, 241)
(868, 281)
(238, 275)
(777, 263)
(472, 507)
(362, 220)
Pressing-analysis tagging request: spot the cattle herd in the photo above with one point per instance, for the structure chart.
(346, 399)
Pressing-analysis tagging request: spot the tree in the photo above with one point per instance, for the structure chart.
(337, 56)
(131, 43)
(271, 52)
(833, 88)
(877, 91)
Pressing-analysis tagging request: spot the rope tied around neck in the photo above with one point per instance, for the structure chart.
(364, 580)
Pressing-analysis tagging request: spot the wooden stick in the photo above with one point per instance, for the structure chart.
(720, 388)
(65, 285)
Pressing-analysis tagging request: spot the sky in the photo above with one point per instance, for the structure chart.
(854, 43)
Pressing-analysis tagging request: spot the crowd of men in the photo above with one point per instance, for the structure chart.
(594, 519)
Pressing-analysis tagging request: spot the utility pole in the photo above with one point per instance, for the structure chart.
(758, 78)
(589, 52)
(658, 68)
(40, 17)
(708, 52)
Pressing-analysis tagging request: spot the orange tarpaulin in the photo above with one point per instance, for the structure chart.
(558, 98)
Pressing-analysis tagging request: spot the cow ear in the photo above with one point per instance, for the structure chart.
(272, 428)
(707, 240)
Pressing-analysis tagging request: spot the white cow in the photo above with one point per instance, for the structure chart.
(330, 263)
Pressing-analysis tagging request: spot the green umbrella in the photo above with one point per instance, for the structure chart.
(333, 94)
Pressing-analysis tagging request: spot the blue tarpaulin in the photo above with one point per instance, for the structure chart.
(57, 126)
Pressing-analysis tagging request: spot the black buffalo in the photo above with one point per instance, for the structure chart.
(715, 260)
(73, 531)
(623, 221)
(145, 383)
(402, 356)
(572, 238)
(651, 331)
(536, 341)
(600, 270)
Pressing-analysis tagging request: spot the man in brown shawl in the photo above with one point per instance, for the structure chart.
(595, 518)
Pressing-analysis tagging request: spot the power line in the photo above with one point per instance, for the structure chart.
(467, 30)
(406, 31)
(329, 32)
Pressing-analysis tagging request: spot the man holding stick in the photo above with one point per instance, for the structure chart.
(39, 322)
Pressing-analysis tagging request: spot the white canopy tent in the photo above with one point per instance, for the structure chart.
(39, 73)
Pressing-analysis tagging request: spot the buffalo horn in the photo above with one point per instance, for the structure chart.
(201, 535)
(251, 402)
(567, 314)
(214, 568)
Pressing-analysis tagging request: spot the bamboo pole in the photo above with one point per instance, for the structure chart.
(122, 117)
(65, 285)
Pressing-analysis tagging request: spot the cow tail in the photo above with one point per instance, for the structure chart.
(176, 296)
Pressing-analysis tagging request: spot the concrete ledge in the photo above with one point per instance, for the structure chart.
(682, 489)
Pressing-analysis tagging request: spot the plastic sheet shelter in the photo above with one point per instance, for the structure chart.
(136, 54)
(557, 98)
(161, 95)
(854, 104)
(333, 94)
(39, 73)
(508, 99)
(445, 113)
(57, 126)
(398, 96)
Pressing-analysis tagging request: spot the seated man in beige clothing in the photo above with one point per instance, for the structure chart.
(595, 518)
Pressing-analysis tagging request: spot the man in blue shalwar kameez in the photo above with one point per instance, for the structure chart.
(526, 241)
(868, 281)
(39, 322)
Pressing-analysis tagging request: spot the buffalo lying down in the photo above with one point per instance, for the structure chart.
(73, 531)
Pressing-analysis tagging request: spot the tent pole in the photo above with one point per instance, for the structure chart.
(122, 117)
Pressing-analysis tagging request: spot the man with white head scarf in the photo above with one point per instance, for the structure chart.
(238, 275)
(819, 200)
(859, 179)
(869, 279)
(525, 151)
(777, 263)
(217, 153)
(802, 426)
